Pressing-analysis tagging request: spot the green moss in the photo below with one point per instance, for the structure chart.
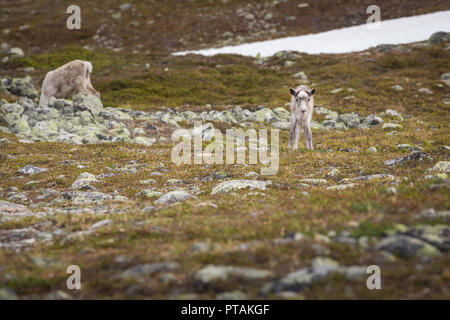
(34, 283)
(197, 84)
(101, 59)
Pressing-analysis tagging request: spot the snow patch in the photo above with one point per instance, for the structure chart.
(356, 38)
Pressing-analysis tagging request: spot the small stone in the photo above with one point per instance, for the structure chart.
(397, 87)
(442, 166)
(101, 224)
(31, 170)
(168, 278)
(351, 120)
(8, 294)
(334, 173)
(370, 121)
(407, 247)
(138, 131)
(409, 159)
(268, 16)
(116, 16)
(289, 63)
(425, 90)
(148, 181)
(17, 52)
(233, 185)
(372, 149)
(337, 90)
(433, 214)
(394, 114)
(355, 273)
(58, 295)
(439, 37)
(213, 273)
(148, 142)
(391, 191)
(125, 6)
(374, 177)
(149, 193)
(321, 238)
(79, 197)
(314, 181)
(82, 102)
(303, 278)
(391, 126)
(13, 209)
(232, 295)
(301, 75)
(148, 269)
(295, 236)
(340, 187)
(173, 197)
(409, 147)
(249, 16)
(83, 180)
(446, 78)
(200, 247)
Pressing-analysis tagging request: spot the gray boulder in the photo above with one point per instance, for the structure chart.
(213, 273)
(232, 295)
(407, 247)
(351, 120)
(22, 87)
(439, 37)
(409, 159)
(371, 120)
(30, 170)
(437, 235)
(83, 180)
(8, 294)
(148, 142)
(233, 185)
(80, 197)
(446, 78)
(303, 278)
(143, 270)
(374, 176)
(172, 197)
(82, 102)
(10, 209)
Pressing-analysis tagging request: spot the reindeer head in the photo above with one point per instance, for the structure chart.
(302, 97)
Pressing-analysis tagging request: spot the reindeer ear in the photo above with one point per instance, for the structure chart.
(312, 91)
(293, 92)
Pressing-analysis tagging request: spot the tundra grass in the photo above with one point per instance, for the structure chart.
(240, 228)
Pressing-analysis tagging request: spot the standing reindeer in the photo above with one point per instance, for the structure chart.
(73, 77)
(302, 108)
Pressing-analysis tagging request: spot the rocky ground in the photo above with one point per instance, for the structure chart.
(173, 25)
(91, 183)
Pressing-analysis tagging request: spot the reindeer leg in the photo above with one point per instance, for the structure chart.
(93, 91)
(91, 88)
(292, 132)
(46, 94)
(298, 124)
(308, 136)
(80, 86)
(43, 101)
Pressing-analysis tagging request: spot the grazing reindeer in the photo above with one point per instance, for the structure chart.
(302, 108)
(71, 78)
